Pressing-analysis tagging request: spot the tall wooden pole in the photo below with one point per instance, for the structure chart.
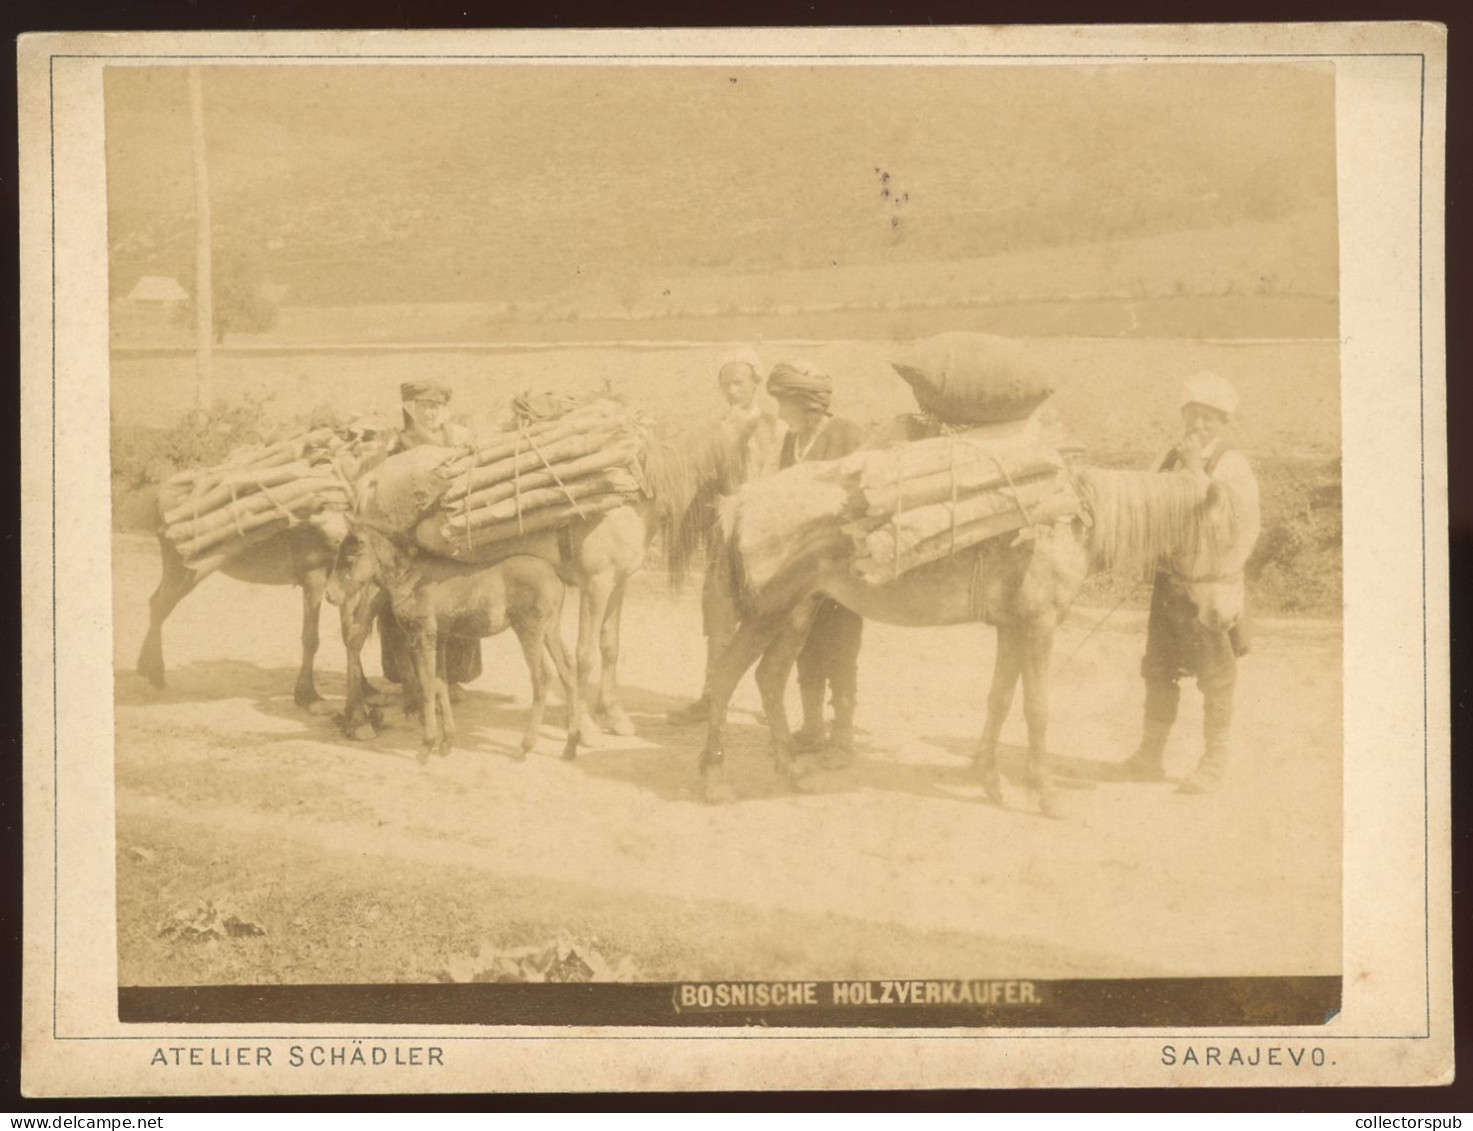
(204, 293)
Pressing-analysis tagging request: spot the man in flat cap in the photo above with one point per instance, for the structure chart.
(738, 382)
(830, 655)
(426, 407)
(1177, 642)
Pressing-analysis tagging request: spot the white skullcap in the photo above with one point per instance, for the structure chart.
(743, 357)
(1211, 390)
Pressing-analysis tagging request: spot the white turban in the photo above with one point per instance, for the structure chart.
(1211, 390)
(742, 357)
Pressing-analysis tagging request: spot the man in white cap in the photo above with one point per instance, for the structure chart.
(737, 379)
(1177, 643)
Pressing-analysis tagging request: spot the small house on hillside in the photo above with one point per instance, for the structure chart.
(158, 292)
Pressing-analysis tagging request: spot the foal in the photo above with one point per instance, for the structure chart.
(434, 599)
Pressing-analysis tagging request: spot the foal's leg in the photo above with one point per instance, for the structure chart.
(176, 583)
(999, 701)
(1038, 646)
(314, 582)
(426, 659)
(611, 715)
(442, 693)
(357, 616)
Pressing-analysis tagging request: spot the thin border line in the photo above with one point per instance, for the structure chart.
(771, 59)
(1422, 441)
(1128, 55)
(55, 680)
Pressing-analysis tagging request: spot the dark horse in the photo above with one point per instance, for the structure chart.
(1024, 586)
(300, 555)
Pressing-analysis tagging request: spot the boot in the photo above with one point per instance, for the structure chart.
(810, 735)
(1210, 771)
(1147, 763)
(840, 752)
(1217, 710)
(695, 712)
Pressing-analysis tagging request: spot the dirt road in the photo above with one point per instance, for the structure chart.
(359, 864)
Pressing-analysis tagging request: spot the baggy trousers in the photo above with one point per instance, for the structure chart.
(462, 654)
(830, 655)
(1177, 645)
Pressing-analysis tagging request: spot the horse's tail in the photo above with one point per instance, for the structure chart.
(727, 535)
(1137, 517)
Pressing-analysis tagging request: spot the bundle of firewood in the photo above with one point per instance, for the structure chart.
(916, 503)
(543, 474)
(255, 494)
(893, 509)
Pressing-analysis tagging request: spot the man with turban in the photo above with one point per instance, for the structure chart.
(830, 655)
(426, 410)
(1177, 642)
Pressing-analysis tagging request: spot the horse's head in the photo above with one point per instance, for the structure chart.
(1219, 602)
(366, 556)
(1210, 566)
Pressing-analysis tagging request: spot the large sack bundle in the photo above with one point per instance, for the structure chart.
(408, 485)
(215, 512)
(966, 378)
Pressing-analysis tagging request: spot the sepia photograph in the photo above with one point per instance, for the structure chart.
(738, 544)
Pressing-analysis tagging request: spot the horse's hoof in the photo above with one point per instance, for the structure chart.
(616, 722)
(1051, 805)
(714, 787)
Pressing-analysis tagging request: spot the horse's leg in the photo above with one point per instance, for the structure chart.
(357, 615)
(314, 582)
(1005, 674)
(557, 652)
(1038, 646)
(611, 715)
(177, 581)
(593, 603)
(532, 640)
(773, 671)
(442, 693)
(751, 640)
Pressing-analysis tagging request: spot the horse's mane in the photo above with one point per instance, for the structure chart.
(1139, 516)
(687, 474)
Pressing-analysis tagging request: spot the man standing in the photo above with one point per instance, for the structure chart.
(426, 410)
(737, 380)
(830, 655)
(1177, 643)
